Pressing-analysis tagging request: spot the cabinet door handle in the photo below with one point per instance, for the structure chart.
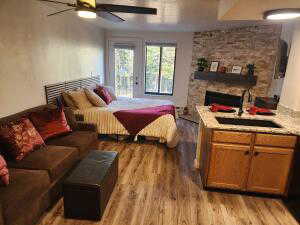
(256, 153)
(247, 152)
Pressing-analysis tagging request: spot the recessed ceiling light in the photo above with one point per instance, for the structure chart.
(282, 14)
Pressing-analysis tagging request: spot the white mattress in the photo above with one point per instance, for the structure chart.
(164, 128)
(124, 103)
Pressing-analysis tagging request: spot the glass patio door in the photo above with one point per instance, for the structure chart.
(123, 69)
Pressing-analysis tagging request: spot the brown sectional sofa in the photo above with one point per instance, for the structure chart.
(35, 182)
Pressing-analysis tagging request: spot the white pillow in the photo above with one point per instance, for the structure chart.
(94, 98)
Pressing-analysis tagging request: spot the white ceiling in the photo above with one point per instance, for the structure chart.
(173, 15)
(234, 9)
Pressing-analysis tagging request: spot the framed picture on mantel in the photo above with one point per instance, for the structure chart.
(237, 69)
(214, 66)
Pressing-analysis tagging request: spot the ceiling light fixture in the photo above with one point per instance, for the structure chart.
(282, 14)
(89, 9)
(86, 9)
(86, 14)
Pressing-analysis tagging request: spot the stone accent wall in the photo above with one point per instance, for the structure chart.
(238, 46)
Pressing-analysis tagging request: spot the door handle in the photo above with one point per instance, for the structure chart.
(256, 153)
(247, 152)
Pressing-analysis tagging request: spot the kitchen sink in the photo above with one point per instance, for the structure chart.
(247, 122)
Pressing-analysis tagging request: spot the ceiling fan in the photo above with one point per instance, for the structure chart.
(89, 9)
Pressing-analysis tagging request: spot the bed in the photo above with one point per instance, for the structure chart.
(163, 128)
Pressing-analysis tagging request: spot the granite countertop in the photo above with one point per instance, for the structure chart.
(289, 125)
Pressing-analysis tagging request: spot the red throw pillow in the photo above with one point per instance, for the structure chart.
(50, 123)
(20, 138)
(103, 93)
(4, 174)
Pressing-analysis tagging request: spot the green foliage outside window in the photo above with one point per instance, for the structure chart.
(124, 60)
(160, 65)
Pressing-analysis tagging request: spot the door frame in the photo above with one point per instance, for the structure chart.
(138, 76)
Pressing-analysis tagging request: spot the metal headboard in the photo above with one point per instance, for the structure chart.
(53, 91)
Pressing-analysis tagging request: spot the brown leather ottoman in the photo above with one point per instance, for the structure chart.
(87, 190)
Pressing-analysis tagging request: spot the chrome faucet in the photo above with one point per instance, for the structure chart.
(242, 100)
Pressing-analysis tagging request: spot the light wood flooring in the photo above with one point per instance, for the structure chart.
(158, 186)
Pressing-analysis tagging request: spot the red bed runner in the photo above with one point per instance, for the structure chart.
(137, 119)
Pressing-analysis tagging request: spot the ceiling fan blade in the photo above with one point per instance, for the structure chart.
(57, 2)
(109, 16)
(52, 14)
(126, 9)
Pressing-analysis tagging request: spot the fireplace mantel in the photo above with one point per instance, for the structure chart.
(229, 78)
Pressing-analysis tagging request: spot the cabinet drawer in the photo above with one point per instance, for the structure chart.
(231, 137)
(284, 141)
(272, 150)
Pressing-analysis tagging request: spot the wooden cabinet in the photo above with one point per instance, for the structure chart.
(269, 170)
(229, 166)
(232, 137)
(245, 161)
(284, 141)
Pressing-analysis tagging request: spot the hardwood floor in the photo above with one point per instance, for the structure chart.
(158, 186)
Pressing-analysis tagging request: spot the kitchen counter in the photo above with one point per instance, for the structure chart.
(232, 157)
(289, 125)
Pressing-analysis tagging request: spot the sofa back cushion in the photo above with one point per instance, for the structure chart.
(103, 93)
(80, 99)
(19, 138)
(94, 98)
(25, 113)
(68, 113)
(50, 123)
(4, 174)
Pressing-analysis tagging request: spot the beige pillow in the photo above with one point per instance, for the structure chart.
(94, 98)
(80, 99)
(68, 100)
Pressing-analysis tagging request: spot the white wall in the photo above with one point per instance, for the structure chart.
(290, 97)
(36, 50)
(184, 42)
(286, 35)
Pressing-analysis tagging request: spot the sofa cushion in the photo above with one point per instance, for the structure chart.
(25, 113)
(79, 139)
(19, 138)
(19, 198)
(4, 173)
(50, 122)
(57, 160)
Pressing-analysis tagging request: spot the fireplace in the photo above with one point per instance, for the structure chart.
(221, 98)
